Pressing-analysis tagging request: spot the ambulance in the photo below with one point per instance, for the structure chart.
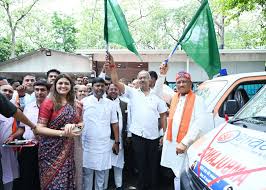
(218, 91)
(233, 155)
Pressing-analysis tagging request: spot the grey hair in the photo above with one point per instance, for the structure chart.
(146, 72)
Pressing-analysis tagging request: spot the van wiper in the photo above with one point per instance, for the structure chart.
(260, 118)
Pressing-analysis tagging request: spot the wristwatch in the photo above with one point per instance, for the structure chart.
(117, 142)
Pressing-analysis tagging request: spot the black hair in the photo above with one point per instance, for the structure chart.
(153, 74)
(107, 78)
(53, 71)
(42, 83)
(30, 74)
(97, 80)
(13, 81)
(2, 78)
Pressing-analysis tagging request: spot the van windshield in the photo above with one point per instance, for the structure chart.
(256, 107)
(210, 89)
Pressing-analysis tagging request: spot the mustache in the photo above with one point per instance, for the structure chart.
(99, 92)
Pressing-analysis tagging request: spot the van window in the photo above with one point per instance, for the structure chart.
(251, 89)
(209, 90)
(242, 93)
(255, 110)
(256, 106)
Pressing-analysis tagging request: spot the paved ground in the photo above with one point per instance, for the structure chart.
(165, 183)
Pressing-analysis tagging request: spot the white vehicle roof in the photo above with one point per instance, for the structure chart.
(230, 80)
(235, 77)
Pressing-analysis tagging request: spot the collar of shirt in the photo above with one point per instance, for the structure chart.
(141, 92)
(96, 99)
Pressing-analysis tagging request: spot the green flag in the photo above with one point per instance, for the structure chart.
(199, 41)
(116, 28)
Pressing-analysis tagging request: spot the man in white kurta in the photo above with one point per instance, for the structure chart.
(174, 153)
(169, 157)
(9, 159)
(117, 160)
(98, 113)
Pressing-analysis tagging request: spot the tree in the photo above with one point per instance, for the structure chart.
(5, 46)
(233, 9)
(15, 16)
(239, 24)
(240, 6)
(160, 27)
(36, 31)
(90, 25)
(244, 33)
(64, 33)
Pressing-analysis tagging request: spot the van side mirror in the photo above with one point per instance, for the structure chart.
(231, 107)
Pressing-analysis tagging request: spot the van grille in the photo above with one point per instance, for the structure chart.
(199, 185)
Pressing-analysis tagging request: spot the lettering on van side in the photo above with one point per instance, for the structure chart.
(225, 165)
(242, 140)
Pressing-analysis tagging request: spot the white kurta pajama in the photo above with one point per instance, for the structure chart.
(98, 115)
(117, 160)
(96, 142)
(198, 126)
(9, 160)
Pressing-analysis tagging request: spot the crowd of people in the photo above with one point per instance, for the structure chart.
(83, 129)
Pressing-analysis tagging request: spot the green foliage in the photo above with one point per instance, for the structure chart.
(246, 34)
(159, 27)
(64, 33)
(5, 46)
(22, 48)
(241, 6)
(14, 13)
(90, 24)
(152, 25)
(36, 31)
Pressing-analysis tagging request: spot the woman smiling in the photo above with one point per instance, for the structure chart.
(58, 116)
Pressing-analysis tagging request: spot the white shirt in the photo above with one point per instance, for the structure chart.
(31, 111)
(162, 90)
(9, 160)
(25, 100)
(145, 110)
(96, 142)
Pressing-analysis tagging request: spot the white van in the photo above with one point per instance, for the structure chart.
(233, 155)
(218, 91)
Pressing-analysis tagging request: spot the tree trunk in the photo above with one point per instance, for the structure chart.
(13, 43)
(222, 33)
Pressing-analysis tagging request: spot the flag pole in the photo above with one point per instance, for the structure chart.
(187, 64)
(106, 28)
(170, 55)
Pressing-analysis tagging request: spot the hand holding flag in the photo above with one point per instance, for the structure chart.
(109, 61)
